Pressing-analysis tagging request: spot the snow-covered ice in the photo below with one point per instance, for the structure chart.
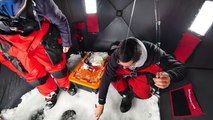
(84, 105)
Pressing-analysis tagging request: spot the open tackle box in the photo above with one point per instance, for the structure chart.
(88, 73)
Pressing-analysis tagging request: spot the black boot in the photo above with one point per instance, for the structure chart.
(51, 99)
(126, 102)
(72, 90)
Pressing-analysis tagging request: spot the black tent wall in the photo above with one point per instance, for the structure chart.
(12, 87)
(176, 17)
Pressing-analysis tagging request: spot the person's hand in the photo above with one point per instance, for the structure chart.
(98, 111)
(66, 49)
(162, 80)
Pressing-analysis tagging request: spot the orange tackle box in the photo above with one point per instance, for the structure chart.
(88, 79)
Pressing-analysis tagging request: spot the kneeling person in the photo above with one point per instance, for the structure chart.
(129, 70)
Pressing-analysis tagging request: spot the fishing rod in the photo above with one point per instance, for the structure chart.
(157, 34)
(130, 20)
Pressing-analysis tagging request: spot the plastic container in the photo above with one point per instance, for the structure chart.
(85, 71)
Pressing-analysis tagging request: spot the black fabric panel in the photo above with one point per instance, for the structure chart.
(180, 104)
(143, 22)
(74, 10)
(60, 74)
(201, 58)
(115, 31)
(12, 87)
(202, 82)
(39, 81)
(120, 4)
(106, 13)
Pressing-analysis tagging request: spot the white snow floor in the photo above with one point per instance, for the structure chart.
(84, 105)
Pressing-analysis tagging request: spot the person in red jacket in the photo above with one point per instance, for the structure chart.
(34, 35)
(133, 69)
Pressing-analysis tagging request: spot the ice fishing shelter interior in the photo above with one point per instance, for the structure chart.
(168, 22)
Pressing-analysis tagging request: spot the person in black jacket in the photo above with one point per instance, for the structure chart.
(133, 67)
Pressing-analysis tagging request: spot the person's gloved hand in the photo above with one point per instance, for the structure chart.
(162, 80)
(66, 49)
(98, 110)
